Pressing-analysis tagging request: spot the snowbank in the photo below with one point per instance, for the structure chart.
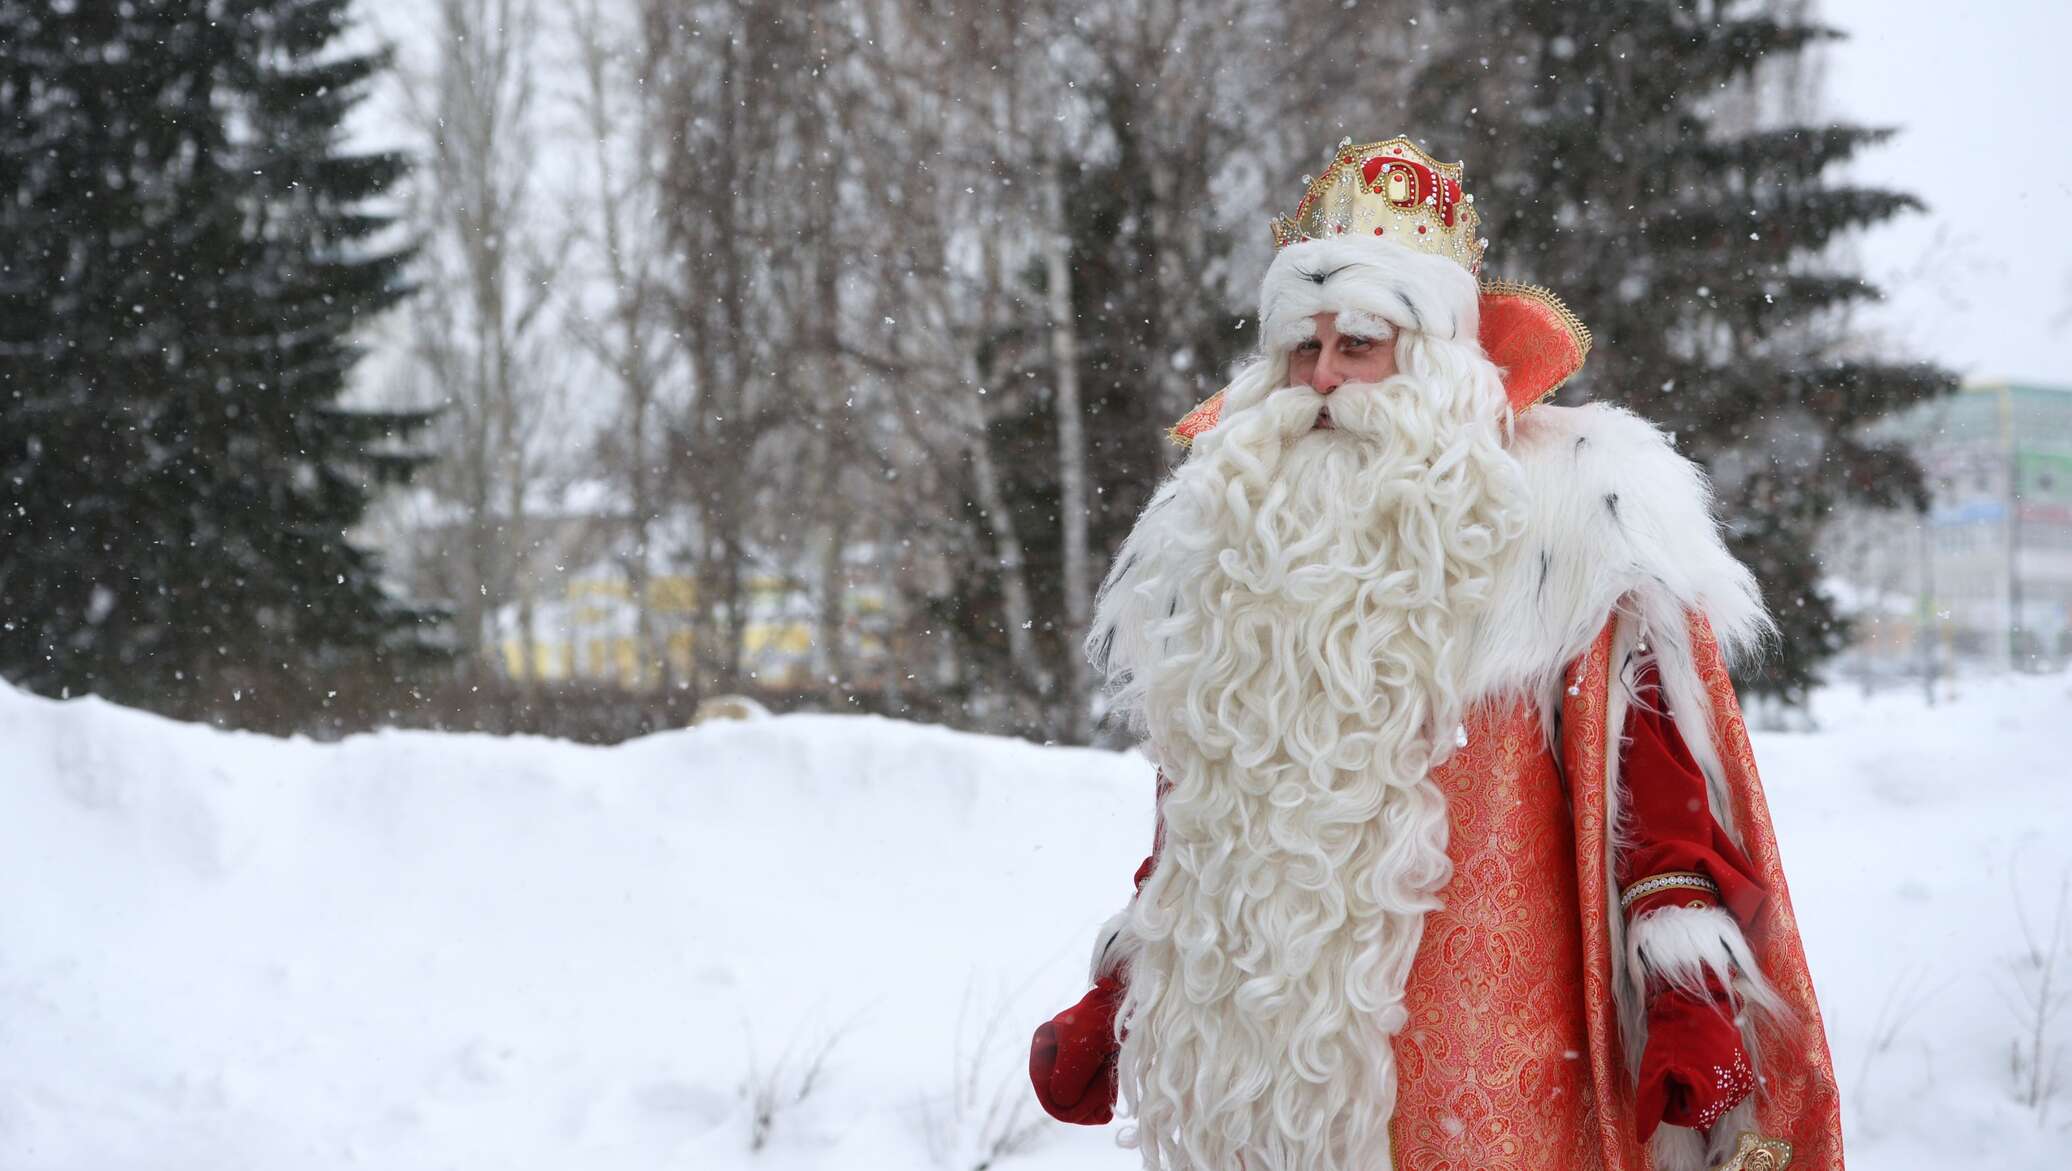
(414, 950)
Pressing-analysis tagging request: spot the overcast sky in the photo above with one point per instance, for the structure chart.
(1982, 94)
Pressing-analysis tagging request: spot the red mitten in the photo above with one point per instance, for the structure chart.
(1072, 1060)
(1694, 1068)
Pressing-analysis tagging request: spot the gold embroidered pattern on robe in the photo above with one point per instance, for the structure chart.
(1490, 1066)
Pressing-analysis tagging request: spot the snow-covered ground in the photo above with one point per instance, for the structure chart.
(424, 951)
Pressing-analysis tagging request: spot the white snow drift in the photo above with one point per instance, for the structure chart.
(426, 951)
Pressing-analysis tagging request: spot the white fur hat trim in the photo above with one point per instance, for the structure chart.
(1402, 286)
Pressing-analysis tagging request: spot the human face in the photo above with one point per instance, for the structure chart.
(1331, 359)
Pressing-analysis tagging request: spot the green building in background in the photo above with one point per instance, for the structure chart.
(1984, 579)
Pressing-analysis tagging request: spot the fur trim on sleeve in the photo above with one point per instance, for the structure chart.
(1677, 1148)
(1680, 946)
(1114, 946)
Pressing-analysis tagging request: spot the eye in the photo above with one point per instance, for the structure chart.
(1353, 343)
(1309, 346)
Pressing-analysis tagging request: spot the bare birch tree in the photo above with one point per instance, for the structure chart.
(477, 329)
(613, 218)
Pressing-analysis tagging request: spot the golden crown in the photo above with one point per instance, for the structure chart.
(1391, 190)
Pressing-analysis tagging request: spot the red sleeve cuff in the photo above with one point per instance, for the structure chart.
(1740, 894)
(1669, 898)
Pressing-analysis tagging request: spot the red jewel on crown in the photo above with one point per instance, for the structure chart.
(1382, 185)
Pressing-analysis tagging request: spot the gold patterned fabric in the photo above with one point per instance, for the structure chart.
(1535, 340)
(1511, 1058)
(1490, 1064)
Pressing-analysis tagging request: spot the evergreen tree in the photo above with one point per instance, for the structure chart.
(184, 251)
(1619, 158)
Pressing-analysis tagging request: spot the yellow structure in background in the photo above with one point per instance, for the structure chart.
(590, 634)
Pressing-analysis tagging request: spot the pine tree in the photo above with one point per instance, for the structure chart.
(1616, 156)
(185, 248)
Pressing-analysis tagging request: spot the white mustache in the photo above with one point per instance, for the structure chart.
(1357, 407)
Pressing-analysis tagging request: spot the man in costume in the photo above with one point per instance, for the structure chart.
(1462, 861)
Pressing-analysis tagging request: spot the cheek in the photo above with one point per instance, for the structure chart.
(1378, 365)
(1300, 365)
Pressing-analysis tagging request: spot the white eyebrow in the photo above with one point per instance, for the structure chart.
(1364, 324)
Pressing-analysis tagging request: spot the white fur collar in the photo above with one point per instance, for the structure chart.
(1618, 521)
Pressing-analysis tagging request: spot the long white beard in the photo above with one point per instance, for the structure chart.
(1287, 625)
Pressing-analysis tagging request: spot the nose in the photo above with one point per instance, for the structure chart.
(1326, 376)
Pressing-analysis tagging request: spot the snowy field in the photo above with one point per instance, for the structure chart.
(416, 951)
